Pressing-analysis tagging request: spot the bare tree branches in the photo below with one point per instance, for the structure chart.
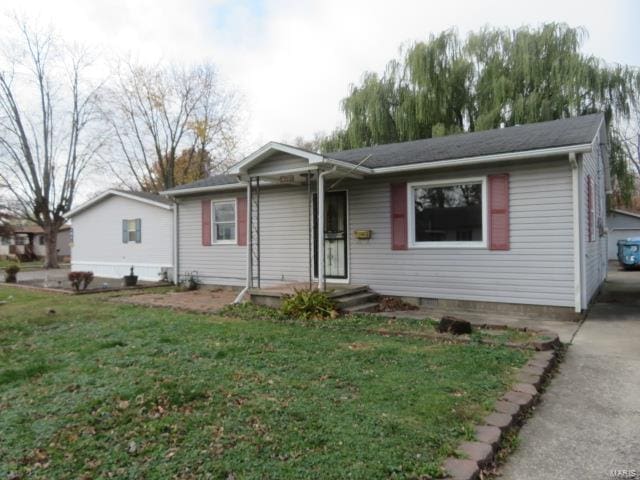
(158, 114)
(45, 112)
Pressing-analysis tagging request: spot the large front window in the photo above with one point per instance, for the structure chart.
(223, 221)
(448, 213)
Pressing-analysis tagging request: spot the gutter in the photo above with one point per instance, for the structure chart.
(577, 233)
(545, 152)
(191, 191)
(176, 239)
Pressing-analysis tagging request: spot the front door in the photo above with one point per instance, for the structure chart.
(335, 235)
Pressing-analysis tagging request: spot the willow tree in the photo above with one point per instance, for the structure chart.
(490, 78)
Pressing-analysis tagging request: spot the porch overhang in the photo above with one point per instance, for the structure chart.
(314, 161)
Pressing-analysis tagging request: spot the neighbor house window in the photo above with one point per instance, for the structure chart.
(132, 230)
(447, 214)
(41, 239)
(223, 221)
(4, 240)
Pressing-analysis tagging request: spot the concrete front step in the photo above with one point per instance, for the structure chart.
(346, 291)
(362, 308)
(352, 300)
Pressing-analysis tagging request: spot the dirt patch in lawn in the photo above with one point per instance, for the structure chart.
(205, 300)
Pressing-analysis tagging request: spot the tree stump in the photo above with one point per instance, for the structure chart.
(454, 325)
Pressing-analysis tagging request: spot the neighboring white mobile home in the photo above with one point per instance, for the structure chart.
(508, 216)
(118, 230)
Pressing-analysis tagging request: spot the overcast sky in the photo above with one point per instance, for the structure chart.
(294, 60)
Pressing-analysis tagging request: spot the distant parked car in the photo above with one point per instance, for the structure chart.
(629, 252)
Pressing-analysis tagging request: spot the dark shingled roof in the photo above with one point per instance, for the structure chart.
(148, 196)
(533, 136)
(213, 181)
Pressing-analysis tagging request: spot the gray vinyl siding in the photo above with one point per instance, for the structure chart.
(278, 163)
(538, 268)
(222, 264)
(620, 227)
(620, 221)
(284, 240)
(594, 252)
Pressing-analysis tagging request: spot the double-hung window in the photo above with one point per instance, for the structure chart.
(223, 221)
(132, 230)
(451, 213)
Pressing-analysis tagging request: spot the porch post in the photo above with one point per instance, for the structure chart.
(321, 283)
(250, 239)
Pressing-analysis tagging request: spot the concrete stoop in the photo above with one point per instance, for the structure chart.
(348, 298)
(508, 414)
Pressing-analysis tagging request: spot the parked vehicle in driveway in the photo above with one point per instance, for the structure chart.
(629, 252)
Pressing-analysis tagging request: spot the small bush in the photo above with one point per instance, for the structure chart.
(80, 280)
(309, 305)
(11, 273)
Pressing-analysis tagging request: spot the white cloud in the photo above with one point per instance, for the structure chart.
(293, 61)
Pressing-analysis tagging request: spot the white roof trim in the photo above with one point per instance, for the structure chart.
(623, 212)
(118, 193)
(315, 159)
(543, 152)
(212, 188)
(271, 147)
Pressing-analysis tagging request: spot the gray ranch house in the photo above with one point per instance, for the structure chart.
(508, 216)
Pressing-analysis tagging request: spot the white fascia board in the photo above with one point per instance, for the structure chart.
(213, 188)
(501, 157)
(117, 193)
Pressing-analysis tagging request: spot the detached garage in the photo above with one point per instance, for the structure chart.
(621, 225)
(118, 230)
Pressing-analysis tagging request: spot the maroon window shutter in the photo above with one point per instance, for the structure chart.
(499, 212)
(241, 220)
(590, 212)
(206, 222)
(398, 216)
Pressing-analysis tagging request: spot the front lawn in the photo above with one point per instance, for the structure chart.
(34, 264)
(99, 389)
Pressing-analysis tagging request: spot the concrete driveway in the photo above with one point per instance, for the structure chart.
(588, 423)
(40, 274)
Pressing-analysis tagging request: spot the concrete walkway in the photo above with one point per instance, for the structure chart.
(588, 423)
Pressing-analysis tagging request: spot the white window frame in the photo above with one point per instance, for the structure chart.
(411, 220)
(214, 240)
(135, 229)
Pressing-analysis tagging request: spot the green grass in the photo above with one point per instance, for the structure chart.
(100, 389)
(34, 264)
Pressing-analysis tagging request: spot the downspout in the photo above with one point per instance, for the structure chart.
(249, 281)
(176, 269)
(577, 237)
(321, 279)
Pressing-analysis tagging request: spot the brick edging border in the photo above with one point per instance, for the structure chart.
(35, 288)
(509, 410)
(539, 345)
